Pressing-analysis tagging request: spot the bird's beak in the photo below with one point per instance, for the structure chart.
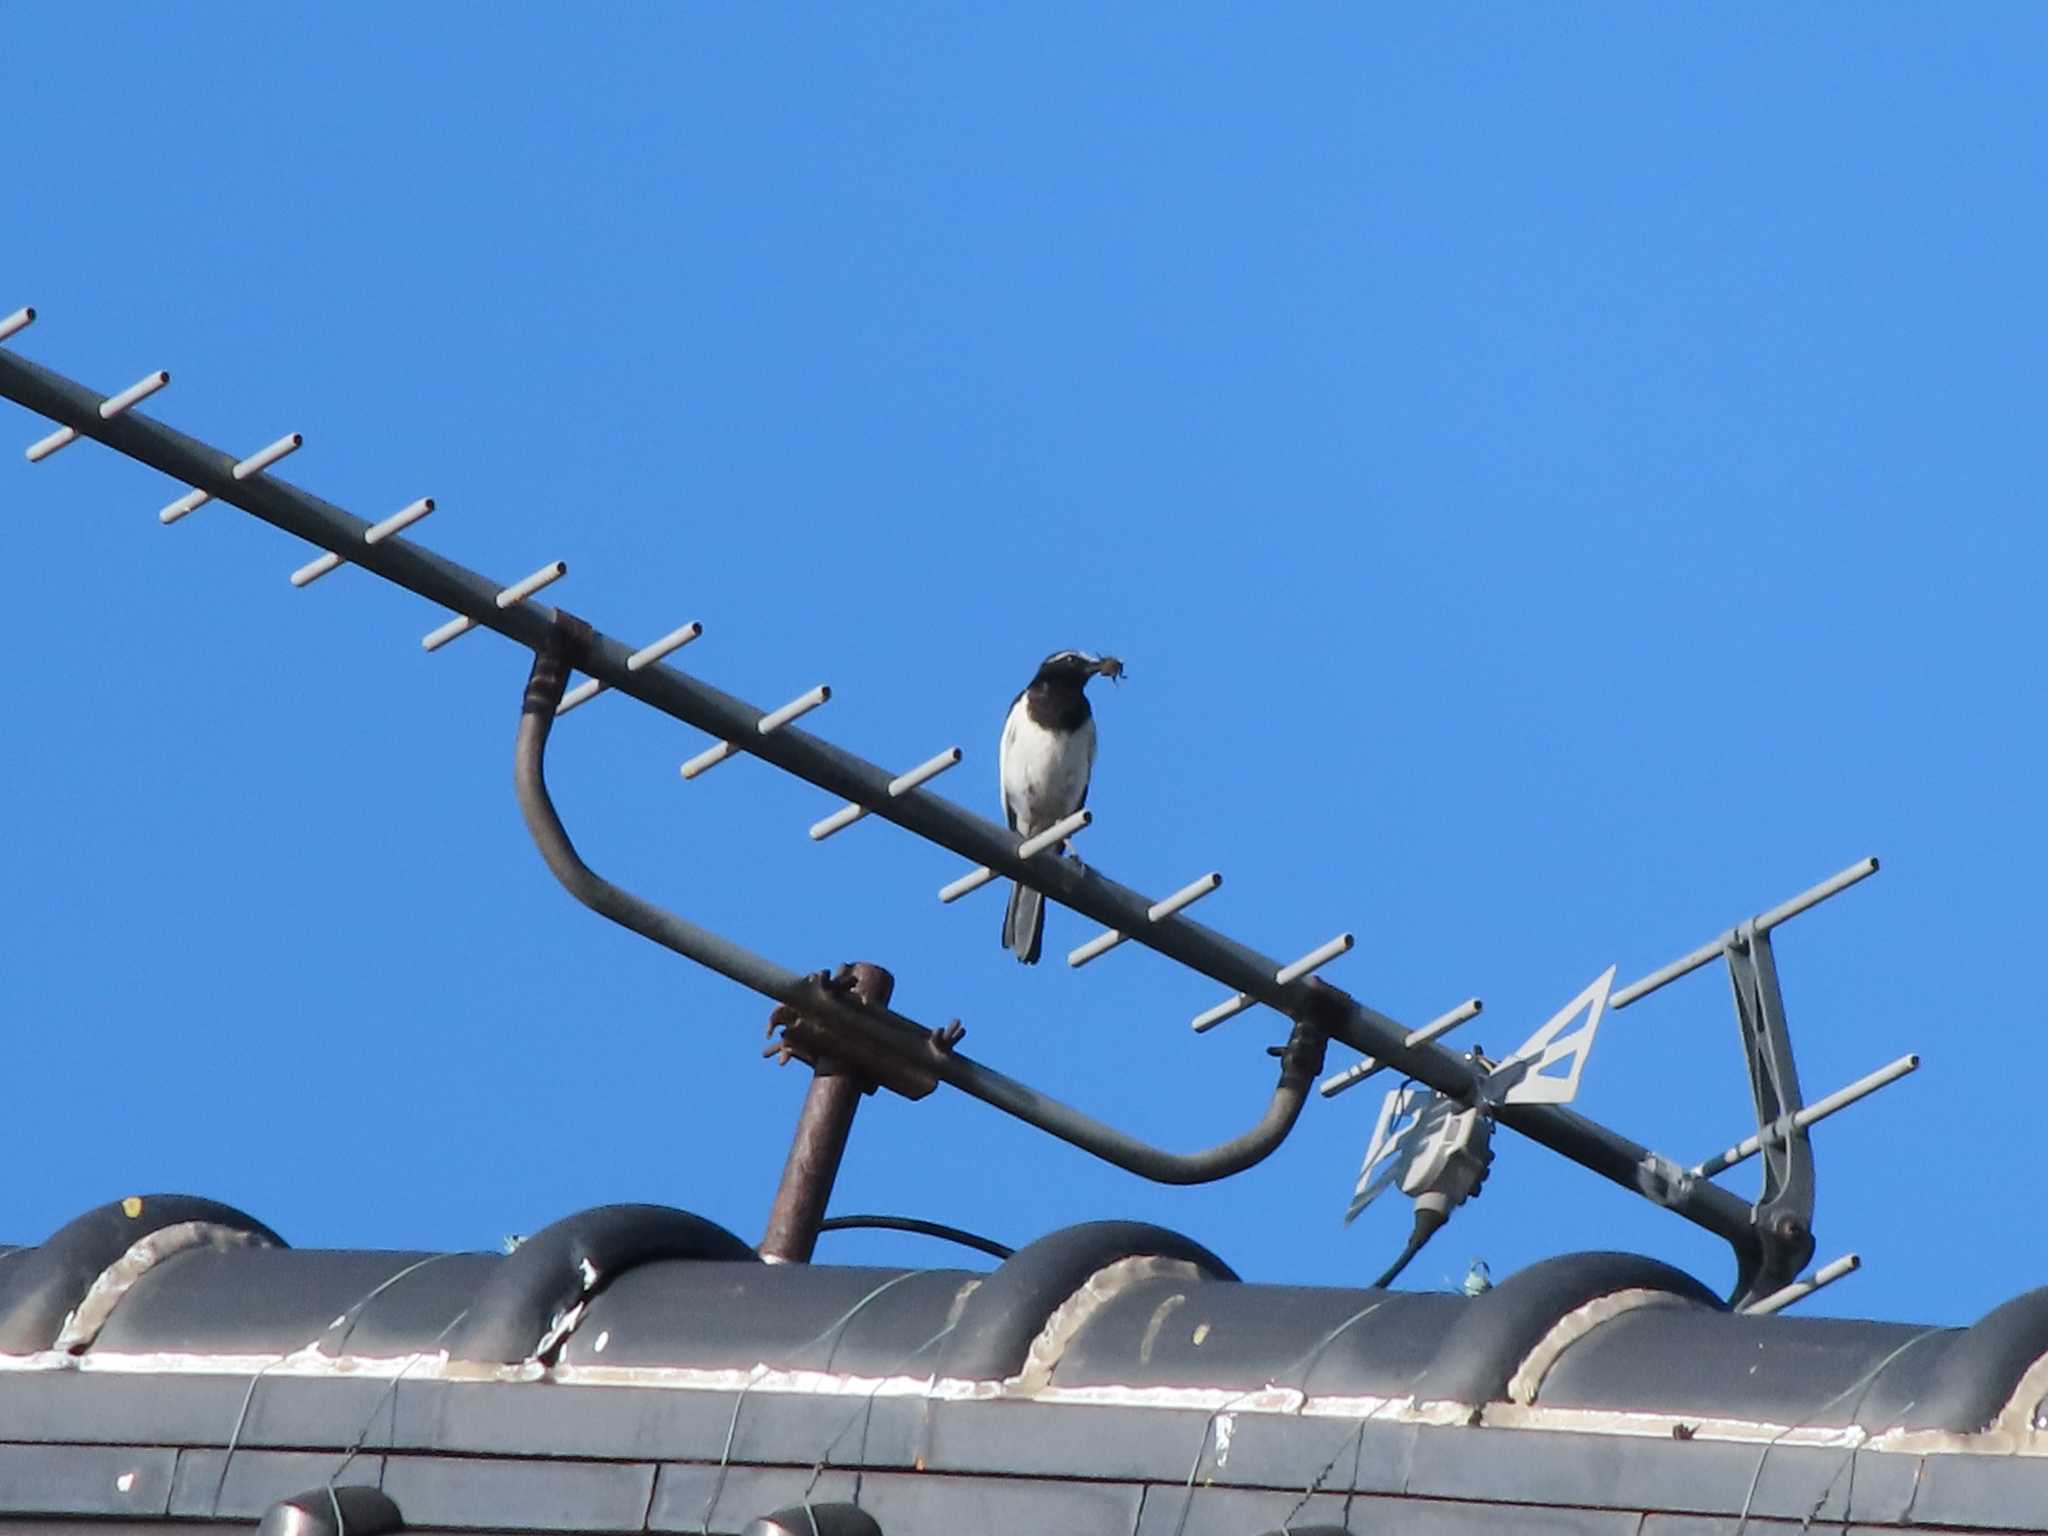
(1110, 668)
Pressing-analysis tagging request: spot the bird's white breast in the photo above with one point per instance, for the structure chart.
(1045, 775)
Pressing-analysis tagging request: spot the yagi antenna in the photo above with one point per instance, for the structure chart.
(845, 1021)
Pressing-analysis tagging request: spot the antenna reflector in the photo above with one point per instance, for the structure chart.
(20, 320)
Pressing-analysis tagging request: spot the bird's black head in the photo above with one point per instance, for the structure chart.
(1073, 669)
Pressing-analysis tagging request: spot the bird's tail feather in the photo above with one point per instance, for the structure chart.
(1024, 923)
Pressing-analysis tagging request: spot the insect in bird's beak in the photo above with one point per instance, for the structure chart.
(1110, 668)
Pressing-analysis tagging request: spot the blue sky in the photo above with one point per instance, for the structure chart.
(1562, 480)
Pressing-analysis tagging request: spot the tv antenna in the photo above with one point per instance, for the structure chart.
(841, 1023)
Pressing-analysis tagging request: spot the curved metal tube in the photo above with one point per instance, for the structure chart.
(1300, 1062)
(529, 777)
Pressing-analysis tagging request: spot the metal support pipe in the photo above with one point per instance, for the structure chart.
(813, 1167)
(1300, 1061)
(1079, 887)
(821, 1131)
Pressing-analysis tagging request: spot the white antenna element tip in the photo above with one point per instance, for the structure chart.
(968, 882)
(1228, 1008)
(263, 458)
(141, 389)
(462, 624)
(520, 591)
(192, 501)
(43, 447)
(924, 772)
(802, 704)
(674, 640)
(582, 693)
(20, 320)
(1058, 832)
(1799, 1290)
(1314, 959)
(1101, 944)
(377, 533)
(705, 761)
(313, 570)
(838, 821)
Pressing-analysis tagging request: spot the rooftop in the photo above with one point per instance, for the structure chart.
(638, 1368)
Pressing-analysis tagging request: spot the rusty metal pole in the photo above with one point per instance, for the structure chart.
(814, 1153)
(821, 1131)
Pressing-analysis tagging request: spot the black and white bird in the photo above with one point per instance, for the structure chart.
(1048, 751)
